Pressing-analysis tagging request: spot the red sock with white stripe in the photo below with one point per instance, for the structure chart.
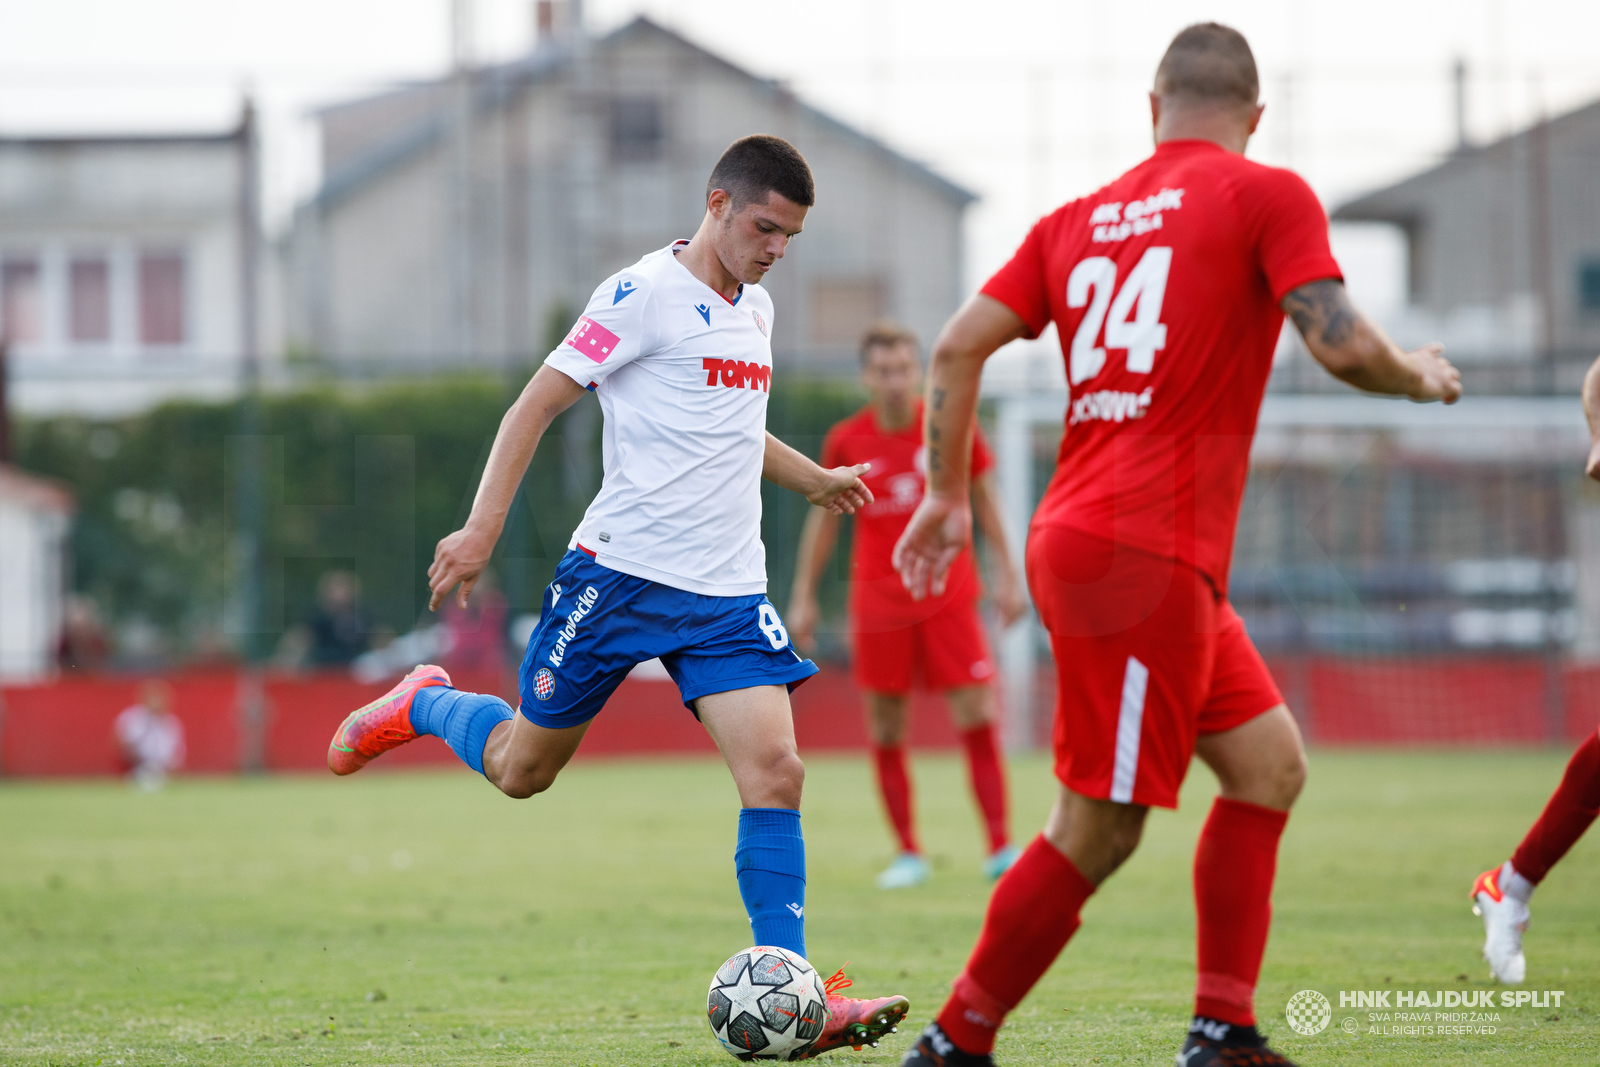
(1571, 808)
(1032, 915)
(1234, 866)
(894, 783)
(988, 779)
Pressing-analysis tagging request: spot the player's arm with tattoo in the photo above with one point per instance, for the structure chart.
(1355, 349)
(942, 524)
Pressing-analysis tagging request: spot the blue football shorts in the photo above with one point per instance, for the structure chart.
(597, 624)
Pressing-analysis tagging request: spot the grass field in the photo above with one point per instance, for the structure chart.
(422, 918)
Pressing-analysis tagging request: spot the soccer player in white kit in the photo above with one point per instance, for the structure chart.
(668, 560)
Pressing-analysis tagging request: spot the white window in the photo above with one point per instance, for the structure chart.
(89, 299)
(161, 298)
(20, 318)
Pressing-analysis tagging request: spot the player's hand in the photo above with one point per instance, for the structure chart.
(459, 558)
(801, 619)
(1009, 599)
(1439, 380)
(842, 490)
(1592, 468)
(939, 529)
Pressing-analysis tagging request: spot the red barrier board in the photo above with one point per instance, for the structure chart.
(64, 727)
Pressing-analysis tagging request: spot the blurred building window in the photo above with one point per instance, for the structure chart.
(843, 308)
(1589, 284)
(19, 299)
(90, 299)
(161, 303)
(637, 132)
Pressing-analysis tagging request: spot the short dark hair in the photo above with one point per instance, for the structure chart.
(760, 164)
(886, 333)
(1209, 63)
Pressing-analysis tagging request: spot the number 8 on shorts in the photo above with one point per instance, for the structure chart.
(772, 626)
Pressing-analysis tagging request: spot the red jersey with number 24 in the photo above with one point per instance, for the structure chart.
(1164, 287)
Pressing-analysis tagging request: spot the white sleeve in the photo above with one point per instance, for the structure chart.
(614, 330)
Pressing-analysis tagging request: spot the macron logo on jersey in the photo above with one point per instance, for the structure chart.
(592, 339)
(737, 374)
(705, 313)
(624, 288)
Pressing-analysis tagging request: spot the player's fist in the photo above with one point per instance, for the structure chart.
(939, 529)
(1437, 378)
(801, 618)
(1009, 599)
(842, 491)
(459, 558)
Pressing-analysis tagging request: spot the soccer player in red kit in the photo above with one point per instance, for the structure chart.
(896, 640)
(1168, 288)
(1500, 895)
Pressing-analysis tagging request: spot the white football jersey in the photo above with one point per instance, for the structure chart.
(682, 376)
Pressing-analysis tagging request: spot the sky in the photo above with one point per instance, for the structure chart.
(1027, 103)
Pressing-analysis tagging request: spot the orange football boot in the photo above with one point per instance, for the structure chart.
(383, 724)
(857, 1022)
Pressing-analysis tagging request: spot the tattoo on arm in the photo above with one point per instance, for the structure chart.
(1322, 311)
(938, 400)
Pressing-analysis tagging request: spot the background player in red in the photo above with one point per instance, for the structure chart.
(1501, 894)
(1168, 288)
(895, 640)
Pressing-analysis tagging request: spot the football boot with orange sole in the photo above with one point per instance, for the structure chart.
(370, 731)
(857, 1023)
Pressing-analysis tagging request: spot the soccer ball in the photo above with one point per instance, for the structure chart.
(767, 1003)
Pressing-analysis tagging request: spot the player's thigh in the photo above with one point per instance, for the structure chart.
(1247, 735)
(953, 647)
(1131, 677)
(754, 730)
(888, 717)
(882, 653)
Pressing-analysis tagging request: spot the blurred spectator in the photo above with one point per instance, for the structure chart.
(338, 628)
(476, 638)
(84, 645)
(150, 737)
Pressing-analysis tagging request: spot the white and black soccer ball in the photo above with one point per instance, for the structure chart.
(767, 1003)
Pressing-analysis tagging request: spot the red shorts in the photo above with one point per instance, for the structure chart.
(948, 650)
(1148, 657)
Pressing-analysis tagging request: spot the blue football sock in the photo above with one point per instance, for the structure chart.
(462, 720)
(771, 866)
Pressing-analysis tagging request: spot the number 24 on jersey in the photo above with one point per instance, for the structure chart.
(1132, 321)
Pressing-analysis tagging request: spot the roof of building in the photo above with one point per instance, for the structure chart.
(1402, 201)
(494, 86)
(34, 492)
(118, 140)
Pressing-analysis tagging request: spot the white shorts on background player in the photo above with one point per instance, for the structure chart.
(682, 376)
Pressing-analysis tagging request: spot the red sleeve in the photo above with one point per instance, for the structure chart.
(1020, 284)
(1291, 231)
(982, 457)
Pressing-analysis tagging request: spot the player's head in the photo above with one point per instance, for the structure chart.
(891, 369)
(1208, 75)
(758, 196)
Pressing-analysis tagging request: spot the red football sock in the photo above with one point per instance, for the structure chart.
(1234, 866)
(988, 779)
(1568, 814)
(894, 782)
(1032, 914)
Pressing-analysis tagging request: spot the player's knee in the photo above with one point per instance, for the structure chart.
(1290, 778)
(524, 782)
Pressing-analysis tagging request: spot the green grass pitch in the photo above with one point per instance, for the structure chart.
(424, 919)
